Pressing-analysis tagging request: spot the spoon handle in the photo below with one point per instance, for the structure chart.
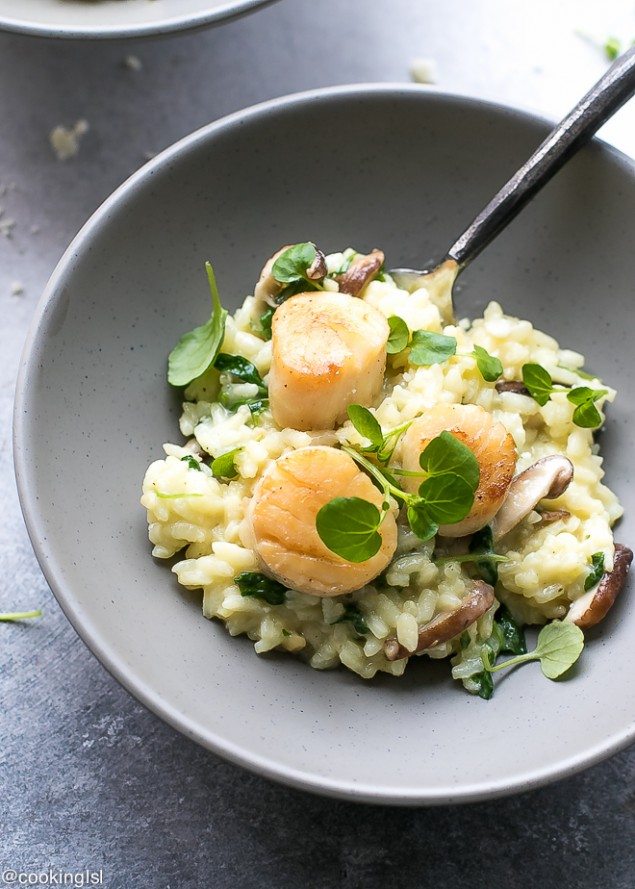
(609, 93)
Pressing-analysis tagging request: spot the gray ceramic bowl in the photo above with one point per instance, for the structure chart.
(396, 166)
(116, 18)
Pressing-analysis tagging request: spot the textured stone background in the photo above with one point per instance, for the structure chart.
(87, 777)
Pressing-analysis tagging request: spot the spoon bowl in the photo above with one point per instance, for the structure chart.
(612, 90)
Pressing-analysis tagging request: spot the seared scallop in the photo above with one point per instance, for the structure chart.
(490, 443)
(282, 516)
(328, 351)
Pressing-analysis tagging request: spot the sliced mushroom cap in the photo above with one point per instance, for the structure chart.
(515, 386)
(593, 606)
(547, 479)
(267, 287)
(549, 516)
(317, 270)
(194, 447)
(446, 626)
(360, 272)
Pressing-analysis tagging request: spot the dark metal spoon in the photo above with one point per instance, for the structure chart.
(601, 102)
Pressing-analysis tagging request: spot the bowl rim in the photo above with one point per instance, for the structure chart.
(91, 636)
(228, 11)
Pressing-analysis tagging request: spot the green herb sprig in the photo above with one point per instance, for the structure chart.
(611, 46)
(195, 351)
(292, 267)
(15, 616)
(507, 638)
(381, 443)
(559, 646)
(540, 385)
(428, 348)
(349, 526)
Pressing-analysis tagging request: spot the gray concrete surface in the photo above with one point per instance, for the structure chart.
(88, 779)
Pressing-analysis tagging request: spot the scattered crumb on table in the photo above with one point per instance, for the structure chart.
(423, 70)
(134, 63)
(65, 140)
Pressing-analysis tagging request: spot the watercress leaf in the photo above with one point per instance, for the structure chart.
(292, 265)
(482, 542)
(252, 583)
(196, 350)
(587, 416)
(485, 685)
(538, 382)
(596, 571)
(448, 498)
(366, 424)
(192, 462)
(512, 635)
(265, 322)
(420, 522)
(430, 348)
(224, 466)
(582, 394)
(446, 453)
(560, 644)
(558, 648)
(348, 526)
(355, 616)
(399, 335)
(490, 367)
(239, 367)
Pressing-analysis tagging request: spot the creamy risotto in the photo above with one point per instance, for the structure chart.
(364, 479)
